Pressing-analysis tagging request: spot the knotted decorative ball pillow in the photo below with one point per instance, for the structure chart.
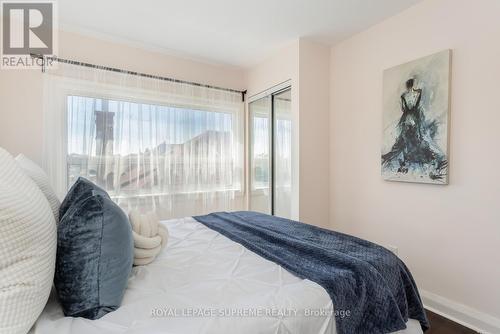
(150, 237)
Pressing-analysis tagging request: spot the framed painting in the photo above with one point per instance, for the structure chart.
(416, 107)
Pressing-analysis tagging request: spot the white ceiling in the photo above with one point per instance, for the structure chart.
(231, 32)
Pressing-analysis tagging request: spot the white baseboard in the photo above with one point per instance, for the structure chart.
(464, 315)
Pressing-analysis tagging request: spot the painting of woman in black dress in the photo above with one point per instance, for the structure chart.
(414, 148)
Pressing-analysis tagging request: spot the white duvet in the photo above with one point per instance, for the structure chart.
(203, 282)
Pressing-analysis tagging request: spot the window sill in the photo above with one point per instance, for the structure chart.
(238, 192)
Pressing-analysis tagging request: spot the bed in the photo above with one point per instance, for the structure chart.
(203, 282)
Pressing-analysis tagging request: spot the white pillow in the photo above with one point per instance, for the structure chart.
(41, 179)
(28, 242)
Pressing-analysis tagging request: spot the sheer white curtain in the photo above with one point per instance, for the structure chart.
(156, 145)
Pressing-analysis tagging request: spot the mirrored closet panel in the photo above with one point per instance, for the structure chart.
(270, 160)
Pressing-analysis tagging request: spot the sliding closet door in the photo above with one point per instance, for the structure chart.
(282, 154)
(260, 155)
(271, 153)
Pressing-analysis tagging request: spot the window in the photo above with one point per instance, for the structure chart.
(166, 146)
(138, 149)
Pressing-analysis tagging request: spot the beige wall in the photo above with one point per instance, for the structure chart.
(448, 235)
(314, 119)
(281, 66)
(21, 99)
(102, 52)
(21, 90)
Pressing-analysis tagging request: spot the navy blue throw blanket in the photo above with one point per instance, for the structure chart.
(362, 278)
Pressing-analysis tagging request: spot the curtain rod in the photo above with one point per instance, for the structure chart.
(139, 74)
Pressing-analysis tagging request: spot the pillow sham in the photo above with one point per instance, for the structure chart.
(94, 253)
(37, 174)
(27, 248)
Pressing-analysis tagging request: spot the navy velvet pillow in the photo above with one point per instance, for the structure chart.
(94, 253)
(81, 189)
